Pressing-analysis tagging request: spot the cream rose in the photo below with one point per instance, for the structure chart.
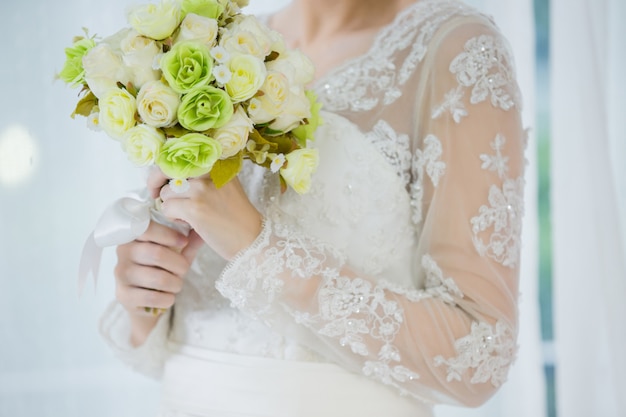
(261, 33)
(198, 28)
(104, 69)
(117, 112)
(241, 42)
(298, 109)
(247, 76)
(142, 144)
(301, 164)
(295, 65)
(139, 54)
(157, 104)
(233, 136)
(273, 100)
(156, 21)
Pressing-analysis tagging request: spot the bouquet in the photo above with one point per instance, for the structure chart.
(195, 87)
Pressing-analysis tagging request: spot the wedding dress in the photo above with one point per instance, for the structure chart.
(392, 285)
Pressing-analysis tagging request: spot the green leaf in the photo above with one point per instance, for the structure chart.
(225, 170)
(175, 131)
(284, 143)
(85, 105)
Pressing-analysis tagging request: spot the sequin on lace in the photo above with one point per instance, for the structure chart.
(376, 78)
(503, 216)
(394, 147)
(488, 351)
(426, 161)
(484, 66)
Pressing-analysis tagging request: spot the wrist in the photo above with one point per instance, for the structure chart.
(141, 325)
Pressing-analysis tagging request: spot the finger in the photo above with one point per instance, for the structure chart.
(191, 250)
(150, 278)
(139, 298)
(163, 235)
(179, 209)
(156, 180)
(197, 186)
(153, 255)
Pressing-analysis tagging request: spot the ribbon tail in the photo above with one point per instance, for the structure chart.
(89, 263)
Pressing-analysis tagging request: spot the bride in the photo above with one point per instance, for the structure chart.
(387, 289)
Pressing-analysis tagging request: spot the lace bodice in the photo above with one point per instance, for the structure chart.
(402, 262)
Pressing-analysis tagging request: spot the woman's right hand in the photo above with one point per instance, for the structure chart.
(149, 273)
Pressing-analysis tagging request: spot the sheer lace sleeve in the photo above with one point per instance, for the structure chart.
(451, 337)
(148, 358)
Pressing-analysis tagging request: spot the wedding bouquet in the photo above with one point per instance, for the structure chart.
(196, 87)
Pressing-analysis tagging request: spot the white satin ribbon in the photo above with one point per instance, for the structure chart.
(122, 222)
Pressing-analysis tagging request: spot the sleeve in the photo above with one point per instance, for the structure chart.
(147, 359)
(454, 339)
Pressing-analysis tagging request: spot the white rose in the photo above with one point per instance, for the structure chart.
(298, 109)
(234, 134)
(241, 42)
(259, 31)
(269, 105)
(104, 69)
(117, 112)
(157, 104)
(278, 42)
(295, 65)
(139, 55)
(142, 144)
(156, 21)
(247, 76)
(198, 28)
(301, 164)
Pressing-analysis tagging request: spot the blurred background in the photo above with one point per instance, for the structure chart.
(56, 177)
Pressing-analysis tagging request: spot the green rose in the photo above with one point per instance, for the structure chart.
(191, 155)
(205, 108)
(187, 65)
(73, 72)
(207, 8)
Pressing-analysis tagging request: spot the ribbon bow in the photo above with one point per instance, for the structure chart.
(122, 222)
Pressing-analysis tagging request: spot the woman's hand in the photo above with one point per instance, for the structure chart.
(224, 218)
(149, 273)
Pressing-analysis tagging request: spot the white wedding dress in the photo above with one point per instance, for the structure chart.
(392, 285)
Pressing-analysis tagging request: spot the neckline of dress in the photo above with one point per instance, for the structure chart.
(380, 35)
(377, 40)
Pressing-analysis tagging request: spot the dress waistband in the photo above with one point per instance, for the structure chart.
(203, 383)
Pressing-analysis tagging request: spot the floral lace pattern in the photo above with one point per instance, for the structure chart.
(504, 214)
(453, 103)
(394, 147)
(497, 162)
(376, 78)
(426, 161)
(485, 67)
(488, 351)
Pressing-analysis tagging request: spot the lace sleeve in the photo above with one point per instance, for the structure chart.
(148, 358)
(452, 339)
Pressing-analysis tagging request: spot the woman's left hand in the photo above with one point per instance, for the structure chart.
(224, 218)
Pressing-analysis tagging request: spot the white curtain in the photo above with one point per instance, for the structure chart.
(524, 393)
(589, 205)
